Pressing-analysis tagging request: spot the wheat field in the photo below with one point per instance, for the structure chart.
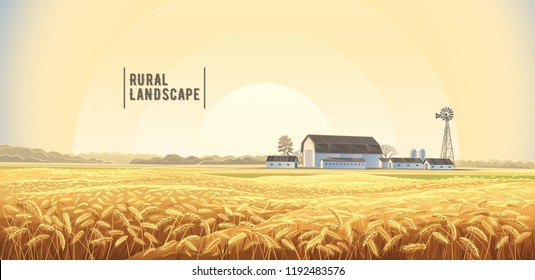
(181, 213)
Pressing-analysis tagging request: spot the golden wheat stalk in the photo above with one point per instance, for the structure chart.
(46, 227)
(226, 225)
(399, 227)
(150, 209)
(236, 238)
(16, 233)
(82, 218)
(373, 248)
(61, 239)
(115, 232)
(190, 246)
(469, 246)
(35, 209)
(372, 225)
(429, 228)
(37, 239)
(523, 236)
(67, 223)
(151, 238)
(122, 218)
(163, 221)
(411, 223)
(182, 228)
(384, 234)
(281, 233)
(139, 241)
(369, 236)
(135, 212)
(103, 224)
(268, 241)
(256, 219)
(504, 240)
(518, 224)
(77, 237)
(326, 250)
(391, 243)
(413, 247)
(97, 232)
(106, 212)
(288, 244)
(101, 241)
(488, 228)
(333, 235)
(476, 219)
(11, 208)
(148, 225)
(453, 230)
(338, 218)
(477, 232)
(120, 240)
(211, 246)
(440, 237)
(511, 230)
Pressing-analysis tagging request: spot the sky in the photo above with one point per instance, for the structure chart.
(369, 68)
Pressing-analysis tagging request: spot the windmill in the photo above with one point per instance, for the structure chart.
(446, 114)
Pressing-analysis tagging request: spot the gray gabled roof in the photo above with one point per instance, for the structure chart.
(343, 144)
(406, 160)
(439, 161)
(331, 159)
(282, 158)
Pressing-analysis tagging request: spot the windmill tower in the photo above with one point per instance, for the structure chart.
(446, 114)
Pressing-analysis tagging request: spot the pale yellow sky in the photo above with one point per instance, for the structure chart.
(374, 68)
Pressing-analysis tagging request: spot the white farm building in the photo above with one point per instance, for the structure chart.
(281, 162)
(343, 163)
(438, 163)
(329, 147)
(405, 163)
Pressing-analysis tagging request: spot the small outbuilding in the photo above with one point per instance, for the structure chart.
(281, 162)
(405, 163)
(343, 163)
(439, 164)
(383, 163)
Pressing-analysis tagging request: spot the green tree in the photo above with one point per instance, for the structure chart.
(286, 145)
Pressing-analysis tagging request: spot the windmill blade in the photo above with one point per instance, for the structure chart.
(438, 116)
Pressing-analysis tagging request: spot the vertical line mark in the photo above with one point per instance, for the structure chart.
(124, 87)
(204, 86)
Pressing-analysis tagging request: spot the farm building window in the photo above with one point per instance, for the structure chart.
(287, 164)
(271, 164)
(441, 166)
(280, 164)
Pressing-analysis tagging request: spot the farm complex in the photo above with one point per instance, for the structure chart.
(352, 152)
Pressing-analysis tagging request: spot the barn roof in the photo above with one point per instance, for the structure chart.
(406, 160)
(282, 158)
(439, 161)
(337, 159)
(343, 144)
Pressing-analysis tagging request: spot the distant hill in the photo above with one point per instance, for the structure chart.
(495, 163)
(191, 160)
(118, 158)
(19, 154)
